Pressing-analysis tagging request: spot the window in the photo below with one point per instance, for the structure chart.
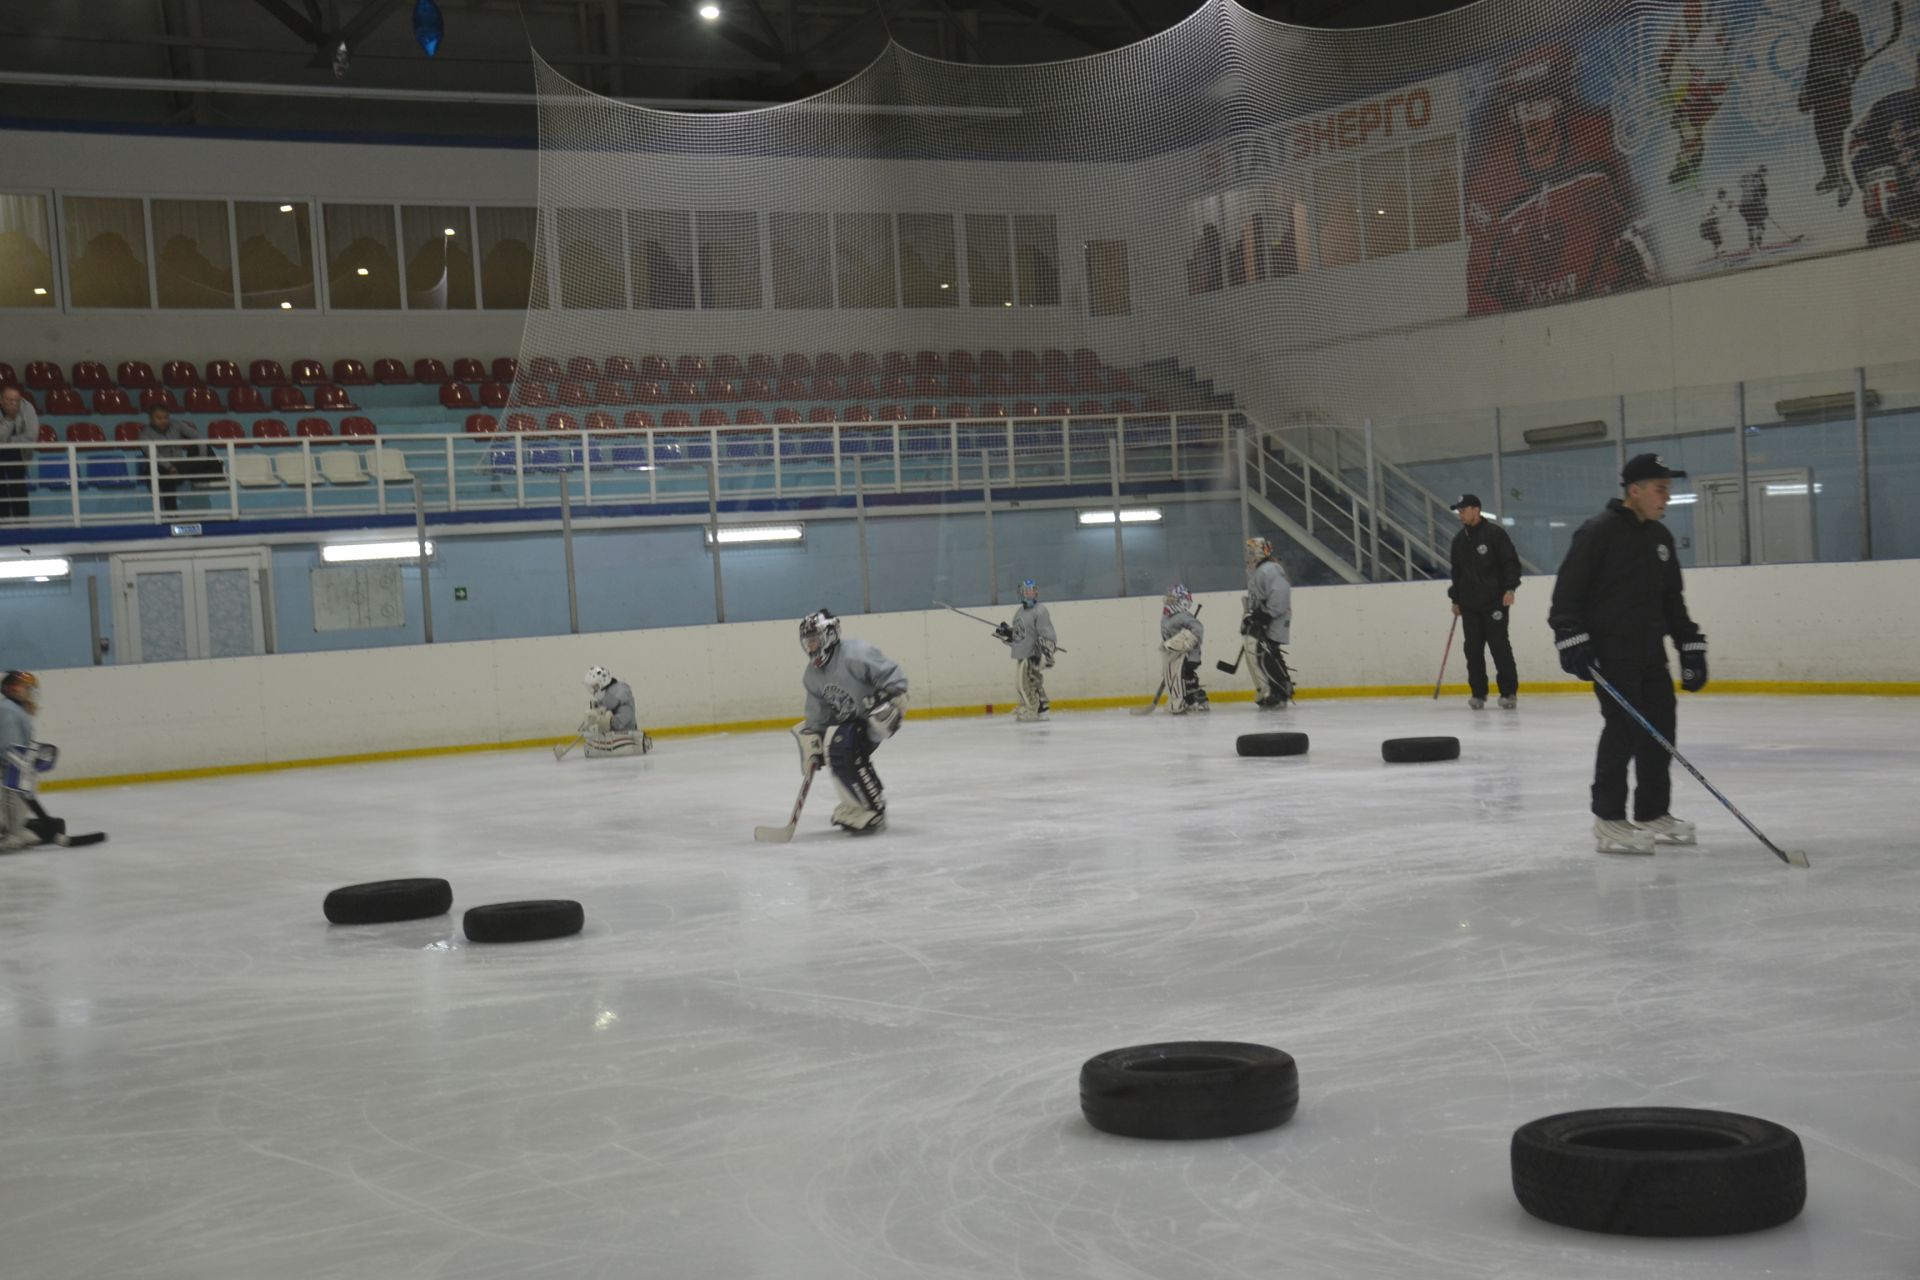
(863, 249)
(1286, 230)
(1336, 215)
(363, 271)
(802, 260)
(507, 239)
(1109, 286)
(192, 258)
(26, 257)
(1206, 261)
(989, 262)
(1383, 202)
(592, 274)
(729, 261)
(276, 253)
(1435, 182)
(929, 275)
(438, 243)
(660, 255)
(1036, 254)
(106, 242)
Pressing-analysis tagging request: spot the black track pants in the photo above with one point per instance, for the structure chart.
(1485, 631)
(1649, 687)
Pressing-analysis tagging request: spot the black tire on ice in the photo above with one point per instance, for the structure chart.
(532, 921)
(1271, 744)
(1419, 750)
(384, 901)
(1659, 1171)
(1189, 1089)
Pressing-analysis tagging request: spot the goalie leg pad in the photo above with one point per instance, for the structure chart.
(850, 760)
(14, 831)
(1277, 681)
(1176, 683)
(619, 744)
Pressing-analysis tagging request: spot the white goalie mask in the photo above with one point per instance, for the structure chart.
(598, 678)
(819, 637)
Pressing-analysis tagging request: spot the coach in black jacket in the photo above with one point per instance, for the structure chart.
(1486, 573)
(1617, 599)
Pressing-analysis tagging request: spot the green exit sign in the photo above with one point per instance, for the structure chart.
(459, 593)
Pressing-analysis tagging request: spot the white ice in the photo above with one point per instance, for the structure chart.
(858, 1057)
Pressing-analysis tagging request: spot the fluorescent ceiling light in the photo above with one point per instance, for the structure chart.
(349, 552)
(286, 306)
(1565, 433)
(450, 231)
(748, 534)
(710, 11)
(39, 292)
(286, 208)
(1128, 515)
(1838, 404)
(1683, 499)
(1791, 490)
(38, 570)
(360, 271)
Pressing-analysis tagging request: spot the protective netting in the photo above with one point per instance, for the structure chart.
(1314, 226)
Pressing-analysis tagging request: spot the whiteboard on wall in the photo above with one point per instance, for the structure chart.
(357, 597)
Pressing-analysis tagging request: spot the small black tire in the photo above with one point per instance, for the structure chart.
(385, 901)
(1189, 1089)
(1659, 1171)
(1271, 744)
(533, 921)
(1419, 750)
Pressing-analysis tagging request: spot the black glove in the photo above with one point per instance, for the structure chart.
(1576, 653)
(1003, 632)
(1693, 665)
(1256, 622)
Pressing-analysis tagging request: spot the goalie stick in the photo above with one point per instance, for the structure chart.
(52, 830)
(984, 622)
(782, 835)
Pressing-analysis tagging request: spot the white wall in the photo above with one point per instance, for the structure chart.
(237, 711)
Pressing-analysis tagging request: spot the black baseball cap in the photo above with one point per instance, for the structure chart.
(1466, 500)
(1648, 466)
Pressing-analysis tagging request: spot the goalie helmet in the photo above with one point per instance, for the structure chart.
(1179, 600)
(22, 687)
(819, 637)
(598, 678)
(1029, 592)
(1258, 549)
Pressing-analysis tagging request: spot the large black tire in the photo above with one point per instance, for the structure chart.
(1189, 1089)
(1659, 1171)
(532, 921)
(385, 901)
(1419, 750)
(1271, 744)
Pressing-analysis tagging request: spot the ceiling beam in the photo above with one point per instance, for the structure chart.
(292, 19)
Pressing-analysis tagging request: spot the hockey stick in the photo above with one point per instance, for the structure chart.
(1792, 857)
(1246, 643)
(560, 753)
(52, 830)
(1444, 655)
(985, 623)
(1899, 24)
(1791, 238)
(781, 835)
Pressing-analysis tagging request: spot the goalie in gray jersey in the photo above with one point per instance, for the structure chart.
(612, 726)
(1181, 634)
(856, 699)
(1031, 637)
(1268, 624)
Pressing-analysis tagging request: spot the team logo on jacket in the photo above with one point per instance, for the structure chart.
(1481, 549)
(1497, 615)
(1662, 552)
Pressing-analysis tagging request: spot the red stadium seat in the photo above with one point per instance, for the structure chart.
(784, 414)
(853, 413)
(1024, 362)
(1088, 408)
(158, 397)
(246, 400)
(760, 365)
(454, 395)
(828, 364)
(824, 413)
(515, 422)
(683, 392)
(1025, 409)
(923, 413)
(859, 387)
(1154, 404)
(135, 374)
(959, 409)
(728, 367)
(308, 373)
(996, 384)
(127, 432)
(1089, 382)
(1085, 359)
(722, 389)
(1054, 360)
(757, 389)
(543, 369)
(85, 433)
(927, 384)
(750, 417)
(286, 400)
(895, 362)
(111, 400)
(713, 417)
(467, 369)
(1026, 382)
(795, 388)
(656, 368)
(495, 395)
(358, 427)
(1058, 408)
(995, 362)
(224, 373)
(7, 376)
(332, 398)
(963, 384)
(992, 409)
(266, 373)
(225, 429)
(428, 370)
(1058, 382)
(894, 385)
(961, 360)
(928, 362)
(600, 420)
(505, 368)
(47, 435)
(44, 375)
(535, 395)
(863, 362)
(351, 373)
(558, 422)
(584, 367)
(690, 368)
(65, 400)
(824, 388)
(649, 392)
(1123, 406)
(619, 367)
(389, 372)
(269, 429)
(572, 392)
(203, 400)
(90, 375)
(795, 365)
(888, 413)
(637, 420)
(676, 419)
(313, 428)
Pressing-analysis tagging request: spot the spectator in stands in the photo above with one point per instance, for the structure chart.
(19, 427)
(177, 462)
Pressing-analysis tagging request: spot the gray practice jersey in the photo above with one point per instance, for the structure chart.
(618, 698)
(1183, 621)
(16, 726)
(855, 674)
(1269, 590)
(1032, 628)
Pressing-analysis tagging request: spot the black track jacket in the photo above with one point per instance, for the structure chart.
(1620, 584)
(1485, 567)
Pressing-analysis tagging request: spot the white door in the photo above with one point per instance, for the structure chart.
(169, 607)
(1780, 517)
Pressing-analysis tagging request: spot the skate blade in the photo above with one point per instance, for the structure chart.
(1625, 850)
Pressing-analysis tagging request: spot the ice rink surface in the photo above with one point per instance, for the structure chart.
(857, 1057)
